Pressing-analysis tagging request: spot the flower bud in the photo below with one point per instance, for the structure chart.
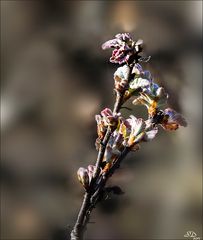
(125, 49)
(121, 78)
(109, 118)
(101, 128)
(138, 83)
(83, 177)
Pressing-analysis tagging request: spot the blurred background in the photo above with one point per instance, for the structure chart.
(55, 78)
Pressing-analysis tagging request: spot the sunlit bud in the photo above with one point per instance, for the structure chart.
(121, 78)
(125, 48)
(153, 97)
(101, 128)
(162, 96)
(83, 177)
(109, 118)
(138, 83)
(137, 125)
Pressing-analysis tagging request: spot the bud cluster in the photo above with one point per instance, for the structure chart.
(130, 81)
(104, 120)
(85, 175)
(118, 135)
(125, 49)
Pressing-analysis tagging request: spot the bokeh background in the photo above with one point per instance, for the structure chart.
(55, 78)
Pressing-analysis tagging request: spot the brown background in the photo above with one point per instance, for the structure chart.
(55, 78)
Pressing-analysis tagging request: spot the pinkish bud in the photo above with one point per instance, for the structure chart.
(125, 49)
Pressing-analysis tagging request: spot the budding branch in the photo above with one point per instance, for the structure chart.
(87, 204)
(119, 134)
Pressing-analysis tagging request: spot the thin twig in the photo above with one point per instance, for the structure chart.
(97, 195)
(87, 206)
(77, 232)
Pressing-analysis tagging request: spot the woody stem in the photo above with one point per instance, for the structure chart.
(79, 227)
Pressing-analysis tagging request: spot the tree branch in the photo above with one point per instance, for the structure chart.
(87, 204)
